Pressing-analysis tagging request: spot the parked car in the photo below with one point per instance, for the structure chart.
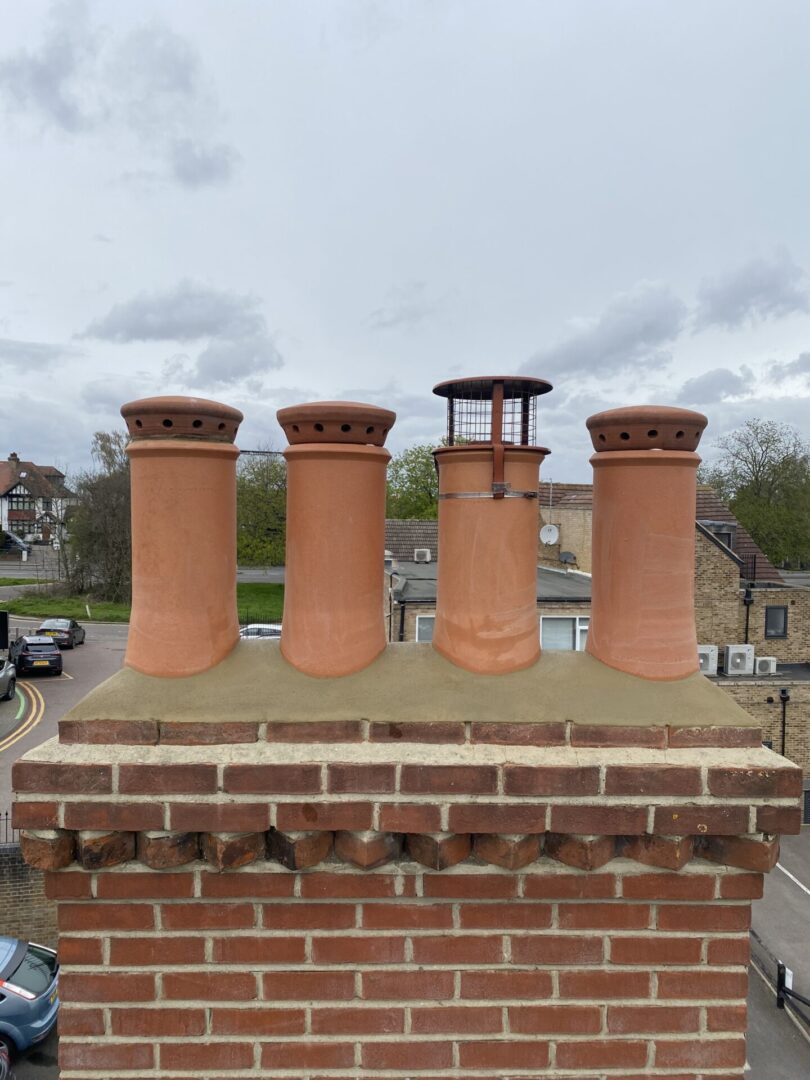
(34, 653)
(8, 685)
(29, 993)
(65, 632)
(5, 1065)
(261, 630)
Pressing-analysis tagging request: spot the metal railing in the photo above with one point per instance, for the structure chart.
(8, 834)
(786, 996)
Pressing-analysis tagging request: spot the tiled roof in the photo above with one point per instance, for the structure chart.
(403, 536)
(42, 481)
(709, 508)
(575, 495)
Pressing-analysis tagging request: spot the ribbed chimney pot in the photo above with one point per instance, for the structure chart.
(644, 493)
(183, 475)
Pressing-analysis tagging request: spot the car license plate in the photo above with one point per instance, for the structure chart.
(42, 663)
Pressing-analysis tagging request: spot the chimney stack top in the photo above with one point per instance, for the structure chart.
(336, 422)
(181, 417)
(646, 427)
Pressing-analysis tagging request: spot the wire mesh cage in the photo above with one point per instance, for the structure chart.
(493, 410)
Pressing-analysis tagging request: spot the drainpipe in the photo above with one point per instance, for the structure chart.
(784, 697)
(748, 600)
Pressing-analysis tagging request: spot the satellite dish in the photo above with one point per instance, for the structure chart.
(549, 534)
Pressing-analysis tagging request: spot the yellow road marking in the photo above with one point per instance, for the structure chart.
(33, 718)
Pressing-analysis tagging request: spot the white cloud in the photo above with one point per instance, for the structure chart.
(406, 306)
(761, 289)
(148, 83)
(634, 329)
(239, 343)
(798, 368)
(720, 384)
(34, 353)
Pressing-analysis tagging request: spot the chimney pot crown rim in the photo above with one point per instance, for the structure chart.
(646, 427)
(336, 422)
(181, 417)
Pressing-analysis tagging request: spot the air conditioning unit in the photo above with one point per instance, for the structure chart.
(765, 665)
(707, 658)
(421, 555)
(739, 660)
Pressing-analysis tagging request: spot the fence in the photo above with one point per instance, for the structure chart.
(8, 835)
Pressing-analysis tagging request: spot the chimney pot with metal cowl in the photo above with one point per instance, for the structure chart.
(333, 622)
(644, 495)
(183, 475)
(486, 610)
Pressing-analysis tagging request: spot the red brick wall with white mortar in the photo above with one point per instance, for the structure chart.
(530, 900)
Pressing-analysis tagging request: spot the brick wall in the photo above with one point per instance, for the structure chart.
(625, 973)
(335, 900)
(717, 595)
(753, 696)
(25, 911)
(793, 649)
(575, 535)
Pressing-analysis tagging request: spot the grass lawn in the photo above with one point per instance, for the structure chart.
(256, 603)
(22, 581)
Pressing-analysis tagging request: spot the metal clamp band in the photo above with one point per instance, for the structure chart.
(489, 495)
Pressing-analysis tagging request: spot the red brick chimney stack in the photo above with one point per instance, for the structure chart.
(486, 609)
(642, 601)
(183, 475)
(333, 620)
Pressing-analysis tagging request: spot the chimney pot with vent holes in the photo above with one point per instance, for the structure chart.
(183, 476)
(644, 494)
(333, 622)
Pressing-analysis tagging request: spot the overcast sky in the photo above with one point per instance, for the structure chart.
(270, 201)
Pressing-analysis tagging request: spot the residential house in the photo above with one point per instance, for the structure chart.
(740, 598)
(563, 595)
(34, 500)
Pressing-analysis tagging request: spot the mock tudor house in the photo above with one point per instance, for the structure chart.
(340, 857)
(34, 500)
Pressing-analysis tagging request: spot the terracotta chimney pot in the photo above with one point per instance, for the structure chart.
(642, 600)
(333, 621)
(486, 607)
(183, 475)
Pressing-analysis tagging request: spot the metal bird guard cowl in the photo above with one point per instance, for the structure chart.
(486, 612)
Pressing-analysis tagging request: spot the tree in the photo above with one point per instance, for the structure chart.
(763, 473)
(413, 485)
(98, 556)
(261, 509)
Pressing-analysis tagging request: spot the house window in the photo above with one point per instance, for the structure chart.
(564, 634)
(47, 504)
(775, 622)
(725, 538)
(424, 627)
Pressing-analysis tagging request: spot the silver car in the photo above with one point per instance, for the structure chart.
(8, 680)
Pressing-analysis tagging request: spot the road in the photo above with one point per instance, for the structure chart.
(34, 716)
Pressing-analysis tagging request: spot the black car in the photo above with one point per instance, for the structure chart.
(65, 632)
(35, 653)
